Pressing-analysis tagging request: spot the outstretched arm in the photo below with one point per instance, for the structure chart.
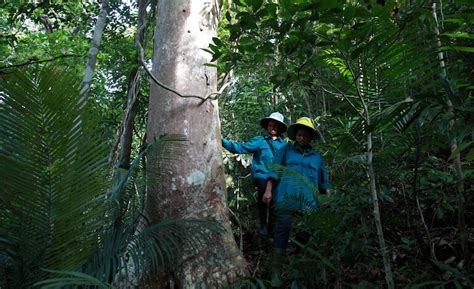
(242, 148)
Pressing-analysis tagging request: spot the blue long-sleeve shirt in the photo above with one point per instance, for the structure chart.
(304, 174)
(261, 150)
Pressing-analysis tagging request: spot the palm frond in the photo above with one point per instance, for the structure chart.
(71, 278)
(52, 174)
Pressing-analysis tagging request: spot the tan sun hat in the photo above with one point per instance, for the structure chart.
(301, 122)
(278, 117)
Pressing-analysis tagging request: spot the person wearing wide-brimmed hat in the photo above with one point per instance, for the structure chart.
(263, 149)
(293, 189)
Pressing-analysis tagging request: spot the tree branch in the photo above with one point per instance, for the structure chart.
(344, 95)
(211, 96)
(34, 61)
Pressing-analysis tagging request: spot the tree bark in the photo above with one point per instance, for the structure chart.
(94, 49)
(193, 187)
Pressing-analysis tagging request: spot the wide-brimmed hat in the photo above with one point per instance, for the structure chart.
(301, 122)
(278, 117)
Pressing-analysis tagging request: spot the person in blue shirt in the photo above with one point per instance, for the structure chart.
(299, 172)
(263, 149)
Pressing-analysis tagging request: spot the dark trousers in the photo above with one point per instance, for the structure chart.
(262, 208)
(282, 229)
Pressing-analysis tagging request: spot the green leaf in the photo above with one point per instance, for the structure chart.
(329, 4)
(457, 48)
(287, 5)
(460, 17)
(245, 40)
(349, 12)
(216, 56)
(217, 42)
(239, 2)
(255, 4)
(361, 12)
(470, 155)
(464, 2)
(246, 20)
(207, 50)
(459, 35)
(271, 9)
(459, 149)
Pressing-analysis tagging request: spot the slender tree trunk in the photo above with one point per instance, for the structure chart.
(194, 187)
(376, 212)
(126, 136)
(323, 99)
(134, 85)
(415, 191)
(454, 146)
(373, 187)
(94, 49)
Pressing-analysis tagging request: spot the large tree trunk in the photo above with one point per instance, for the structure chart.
(194, 187)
